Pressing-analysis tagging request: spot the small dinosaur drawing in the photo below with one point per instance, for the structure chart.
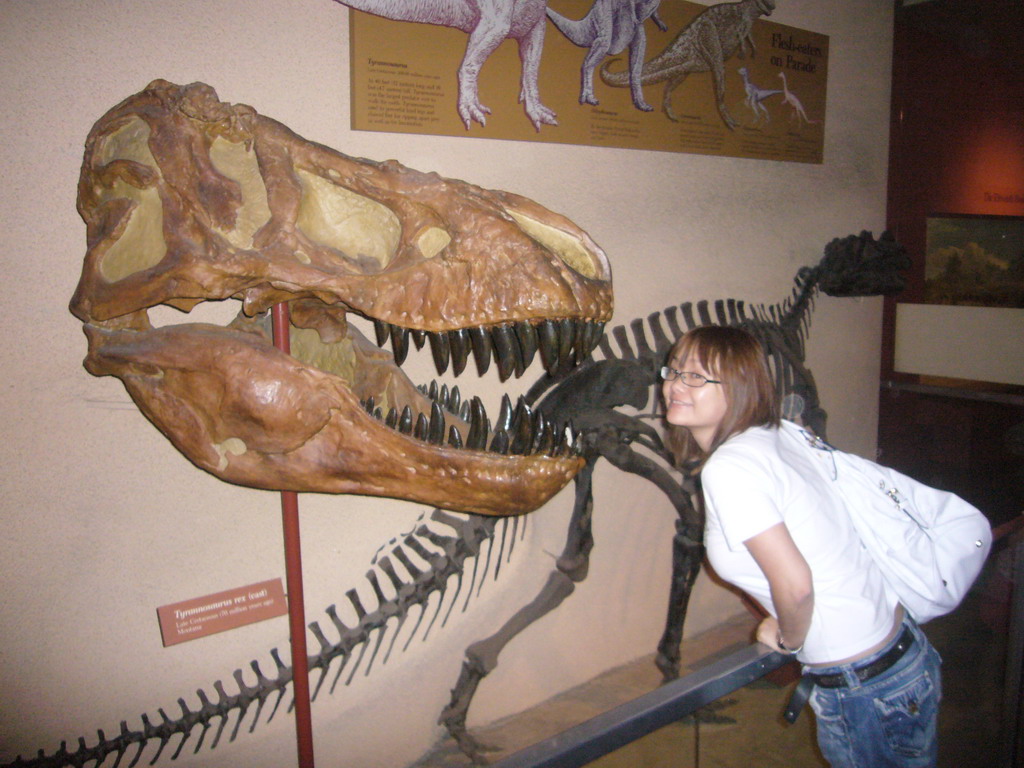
(788, 97)
(756, 95)
(703, 45)
(488, 23)
(608, 27)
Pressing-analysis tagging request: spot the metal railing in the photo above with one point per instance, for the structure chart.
(645, 714)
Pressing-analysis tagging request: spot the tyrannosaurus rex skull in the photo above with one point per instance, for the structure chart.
(188, 199)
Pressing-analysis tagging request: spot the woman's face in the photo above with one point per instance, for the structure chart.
(698, 409)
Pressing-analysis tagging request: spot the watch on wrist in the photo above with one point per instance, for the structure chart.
(784, 647)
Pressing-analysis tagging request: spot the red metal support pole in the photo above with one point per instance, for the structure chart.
(293, 576)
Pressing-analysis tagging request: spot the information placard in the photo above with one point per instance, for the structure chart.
(221, 611)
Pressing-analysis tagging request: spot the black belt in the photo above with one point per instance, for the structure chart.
(803, 689)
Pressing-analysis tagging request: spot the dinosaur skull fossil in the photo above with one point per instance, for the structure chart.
(187, 199)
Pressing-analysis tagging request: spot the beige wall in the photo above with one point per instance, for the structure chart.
(104, 521)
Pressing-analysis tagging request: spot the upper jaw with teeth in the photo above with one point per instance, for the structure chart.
(187, 199)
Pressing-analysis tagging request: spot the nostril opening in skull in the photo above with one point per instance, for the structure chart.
(364, 231)
(565, 245)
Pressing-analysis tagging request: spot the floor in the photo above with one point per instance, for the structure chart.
(746, 729)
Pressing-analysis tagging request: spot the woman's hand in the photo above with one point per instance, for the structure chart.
(768, 634)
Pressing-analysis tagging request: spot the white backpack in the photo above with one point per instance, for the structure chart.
(929, 544)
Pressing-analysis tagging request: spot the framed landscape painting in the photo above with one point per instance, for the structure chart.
(974, 260)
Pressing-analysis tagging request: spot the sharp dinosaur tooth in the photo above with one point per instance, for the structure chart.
(500, 442)
(537, 432)
(443, 396)
(596, 333)
(432, 390)
(586, 334)
(368, 405)
(506, 351)
(481, 340)
(527, 336)
(546, 436)
(392, 419)
(419, 338)
(464, 411)
(439, 349)
(454, 438)
(566, 337)
(478, 427)
(522, 429)
(504, 415)
(455, 401)
(383, 331)
(459, 343)
(422, 429)
(579, 343)
(435, 433)
(399, 343)
(548, 343)
(405, 422)
(378, 414)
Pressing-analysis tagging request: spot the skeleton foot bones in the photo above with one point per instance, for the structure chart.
(188, 199)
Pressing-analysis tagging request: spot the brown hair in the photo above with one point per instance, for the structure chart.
(736, 358)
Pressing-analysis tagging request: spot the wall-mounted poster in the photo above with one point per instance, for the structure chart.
(632, 74)
(974, 260)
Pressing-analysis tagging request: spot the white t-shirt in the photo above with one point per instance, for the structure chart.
(755, 480)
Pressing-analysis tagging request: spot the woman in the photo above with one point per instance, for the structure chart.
(776, 530)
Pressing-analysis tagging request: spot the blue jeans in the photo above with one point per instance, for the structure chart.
(888, 721)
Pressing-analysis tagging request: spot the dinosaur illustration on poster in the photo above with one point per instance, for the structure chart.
(487, 23)
(703, 45)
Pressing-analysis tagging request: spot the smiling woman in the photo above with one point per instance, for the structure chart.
(778, 531)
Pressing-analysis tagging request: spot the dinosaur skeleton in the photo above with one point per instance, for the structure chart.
(188, 199)
(419, 565)
(852, 266)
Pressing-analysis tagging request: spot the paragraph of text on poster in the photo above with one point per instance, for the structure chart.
(407, 100)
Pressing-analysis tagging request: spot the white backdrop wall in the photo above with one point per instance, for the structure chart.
(104, 521)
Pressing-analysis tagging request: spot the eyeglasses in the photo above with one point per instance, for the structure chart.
(689, 378)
